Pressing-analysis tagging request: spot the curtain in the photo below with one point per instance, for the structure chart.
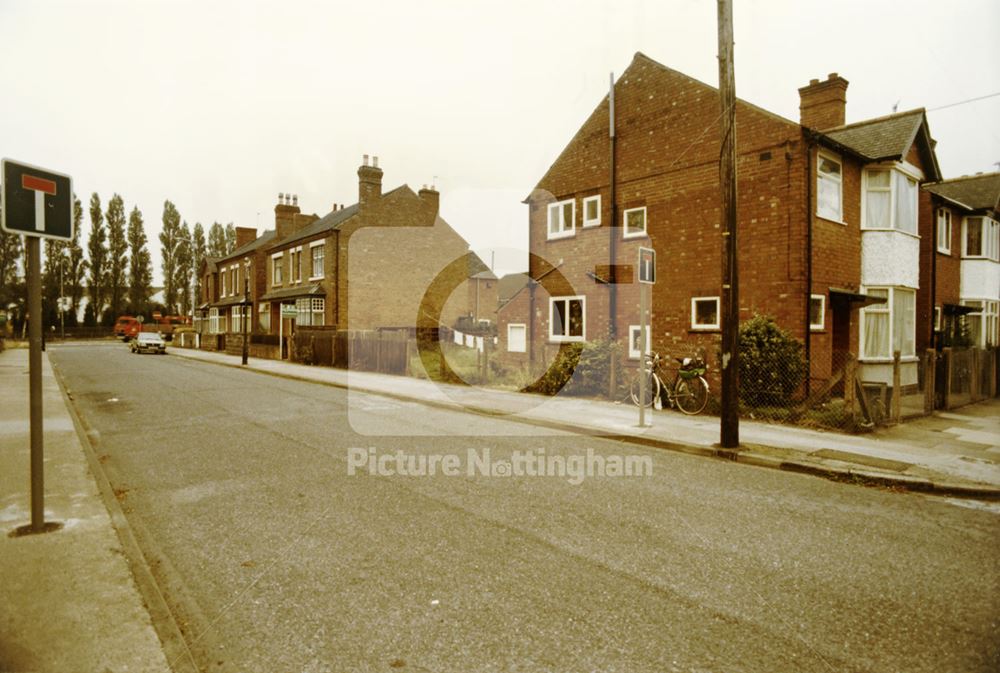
(904, 321)
(876, 326)
(877, 200)
(906, 203)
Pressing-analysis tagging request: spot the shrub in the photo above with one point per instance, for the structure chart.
(772, 366)
(579, 369)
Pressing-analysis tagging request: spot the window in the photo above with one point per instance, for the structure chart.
(276, 265)
(213, 321)
(889, 327)
(829, 188)
(264, 316)
(318, 252)
(562, 219)
(635, 341)
(517, 338)
(944, 230)
(297, 265)
(592, 211)
(890, 200)
(705, 313)
(567, 316)
(981, 238)
(634, 221)
(937, 318)
(310, 311)
(222, 283)
(236, 320)
(983, 323)
(817, 312)
(234, 274)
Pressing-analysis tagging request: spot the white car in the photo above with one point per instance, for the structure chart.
(148, 341)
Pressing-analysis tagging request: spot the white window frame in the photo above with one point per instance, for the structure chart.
(633, 337)
(318, 306)
(277, 270)
(889, 308)
(839, 182)
(944, 230)
(583, 310)
(937, 318)
(296, 271)
(821, 325)
(213, 321)
(222, 284)
(695, 325)
(524, 338)
(989, 321)
(234, 271)
(645, 223)
(595, 222)
(264, 315)
(989, 238)
(312, 266)
(564, 231)
(907, 171)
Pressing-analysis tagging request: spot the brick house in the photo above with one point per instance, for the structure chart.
(820, 205)
(961, 259)
(388, 261)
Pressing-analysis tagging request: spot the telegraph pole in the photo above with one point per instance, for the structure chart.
(246, 318)
(730, 421)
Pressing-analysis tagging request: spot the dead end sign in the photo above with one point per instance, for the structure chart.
(36, 201)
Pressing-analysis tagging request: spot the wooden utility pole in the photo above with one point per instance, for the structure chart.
(730, 422)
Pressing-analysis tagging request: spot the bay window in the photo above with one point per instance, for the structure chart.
(981, 238)
(890, 200)
(310, 311)
(891, 326)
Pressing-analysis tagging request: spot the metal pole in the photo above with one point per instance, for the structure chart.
(246, 337)
(35, 384)
(643, 381)
(730, 421)
(62, 301)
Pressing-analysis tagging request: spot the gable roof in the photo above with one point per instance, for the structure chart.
(975, 192)
(889, 138)
(511, 284)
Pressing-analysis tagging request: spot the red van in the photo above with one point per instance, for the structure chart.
(127, 327)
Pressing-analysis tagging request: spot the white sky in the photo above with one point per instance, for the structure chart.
(218, 106)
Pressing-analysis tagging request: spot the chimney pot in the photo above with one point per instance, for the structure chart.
(295, 200)
(375, 162)
(813, 82)
(832, 75)
(364, 161)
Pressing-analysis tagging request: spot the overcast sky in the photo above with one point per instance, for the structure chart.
(218, 106)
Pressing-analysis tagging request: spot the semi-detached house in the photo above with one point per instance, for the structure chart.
(828, 213)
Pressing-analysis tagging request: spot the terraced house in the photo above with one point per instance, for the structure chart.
(373, 265)
(830, 220)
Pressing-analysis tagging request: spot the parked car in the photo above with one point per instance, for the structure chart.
(148, 341)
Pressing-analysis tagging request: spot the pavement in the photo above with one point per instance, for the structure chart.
(953, 453)
(68, 600)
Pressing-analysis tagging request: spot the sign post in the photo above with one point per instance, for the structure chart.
(36, 203)
(647, 277)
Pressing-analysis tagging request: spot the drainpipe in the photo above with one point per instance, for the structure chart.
(934, 219)
(809, 254)
(613, 235)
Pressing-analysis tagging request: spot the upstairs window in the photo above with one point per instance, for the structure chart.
(297, 265)
(635, 222)
(981, 238)
(944, 230)
(592, 211)
(829, 188)
(890, 200)
(318, 252)
(276, 270)
(562, 219)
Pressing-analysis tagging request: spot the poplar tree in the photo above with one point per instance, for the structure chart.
(140, 266)
(98, 252)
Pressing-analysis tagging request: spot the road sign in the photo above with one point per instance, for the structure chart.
(36, 201)
(289, 311)
(647, 265)
(141, 319)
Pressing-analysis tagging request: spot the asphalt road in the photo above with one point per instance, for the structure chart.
(274, 559)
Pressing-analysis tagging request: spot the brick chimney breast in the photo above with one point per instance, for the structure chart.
(369, 183)
(823, 104)
(284, 217)
(431, 197)
(245, 235)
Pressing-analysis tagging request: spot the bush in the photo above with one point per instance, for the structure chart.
(772, 366)
(579, 369)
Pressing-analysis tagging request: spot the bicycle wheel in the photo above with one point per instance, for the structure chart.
(652, 389)
(691, 395)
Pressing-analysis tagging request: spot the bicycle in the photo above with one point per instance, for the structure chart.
(688, 391)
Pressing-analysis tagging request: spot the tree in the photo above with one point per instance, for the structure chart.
(230, 238)
(140, 267)
(198, 250)
(216, 241)
(53, 279)
(117, 259)
(76, 269)
(772, 363)
(10, 252)
(169, 236)
(98, 253)
(183, 259)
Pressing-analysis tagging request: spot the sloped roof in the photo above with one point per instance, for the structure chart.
(883, 138)
(263, 239)
(976, 192)
(314, 290)
(511, 284)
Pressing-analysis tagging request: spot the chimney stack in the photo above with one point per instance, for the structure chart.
(823, 105)
(432, 197)
(369, 183)
(284, 215)
(245, 235)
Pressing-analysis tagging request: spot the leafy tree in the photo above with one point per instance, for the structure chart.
(230, 238)
(10, 251)
(76, 271)
(183, 258)
(98, 252)
(169, 237)
(198, 255)
(53, 279)
(216, 241)
(140, 268)
(117, 259)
